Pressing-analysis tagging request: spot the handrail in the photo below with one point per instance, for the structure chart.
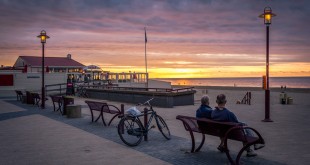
(115, 87)
(55, 84)
(60, 89)
(63, 86)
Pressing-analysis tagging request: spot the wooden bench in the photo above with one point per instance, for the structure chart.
(36, 98)
(103, 107)
(57, 100)
(19, 95)
(225, 130)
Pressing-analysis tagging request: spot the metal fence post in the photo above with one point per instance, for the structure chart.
(145, 123)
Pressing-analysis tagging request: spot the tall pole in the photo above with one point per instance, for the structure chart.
(145, 58)
(147, 76)
(43, 38)
(267, 91)
(43, 87)
(267, 15)
(145, 50)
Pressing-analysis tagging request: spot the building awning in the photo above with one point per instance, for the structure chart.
(92, 68)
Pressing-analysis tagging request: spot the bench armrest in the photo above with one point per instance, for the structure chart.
(242, 136)
(114, 108)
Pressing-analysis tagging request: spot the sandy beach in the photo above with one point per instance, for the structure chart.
(286, 138)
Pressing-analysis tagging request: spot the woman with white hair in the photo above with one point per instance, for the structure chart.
(204, 111)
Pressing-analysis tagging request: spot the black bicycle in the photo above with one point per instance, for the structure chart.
(81, 91)
(131, 130)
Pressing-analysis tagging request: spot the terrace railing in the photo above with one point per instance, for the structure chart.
(115, 87)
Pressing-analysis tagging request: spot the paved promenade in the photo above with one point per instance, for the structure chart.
(30, 135)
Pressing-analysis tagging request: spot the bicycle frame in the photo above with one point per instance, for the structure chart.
(147, 127)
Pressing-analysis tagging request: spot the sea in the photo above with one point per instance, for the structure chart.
(288, 82)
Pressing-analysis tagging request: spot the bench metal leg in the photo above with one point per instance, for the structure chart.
(36, 101)
(98, 118)
(113, 118)
(260, 140)
(193, 141)
(59, 106)
(19, 97)
(101, 115)
(202, 142)
(92, 115)
(54, 105)
(103, 119)
(237, 160)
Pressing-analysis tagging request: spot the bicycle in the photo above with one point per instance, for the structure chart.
(81, 91)
(131, 130)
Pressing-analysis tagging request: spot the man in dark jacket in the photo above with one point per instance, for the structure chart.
(221, 113)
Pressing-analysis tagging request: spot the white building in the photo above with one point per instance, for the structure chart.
(27, 71)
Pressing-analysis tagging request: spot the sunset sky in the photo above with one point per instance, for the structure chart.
(186, 38)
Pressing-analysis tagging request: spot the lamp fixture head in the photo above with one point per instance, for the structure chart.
(267, 15)
(43, 36)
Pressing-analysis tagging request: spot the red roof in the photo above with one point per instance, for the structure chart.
(51, 61)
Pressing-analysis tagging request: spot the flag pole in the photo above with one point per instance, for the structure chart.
(145, 41)
(145, 49)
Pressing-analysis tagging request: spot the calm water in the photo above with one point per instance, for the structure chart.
(289, 82)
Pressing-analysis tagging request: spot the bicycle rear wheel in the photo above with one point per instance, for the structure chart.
(163, 127)
(130, 131)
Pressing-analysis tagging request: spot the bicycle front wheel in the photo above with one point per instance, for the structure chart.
(163, 127)
(130, 131)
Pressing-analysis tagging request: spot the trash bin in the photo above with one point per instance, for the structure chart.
(29, 98)
(289, 100)
(67, 100)
(73, 111)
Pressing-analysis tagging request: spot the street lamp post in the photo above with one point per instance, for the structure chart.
(43, 38)
(267, 15)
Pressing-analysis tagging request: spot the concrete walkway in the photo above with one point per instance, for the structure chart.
(30, 135)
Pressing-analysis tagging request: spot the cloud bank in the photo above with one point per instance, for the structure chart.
(204, 33)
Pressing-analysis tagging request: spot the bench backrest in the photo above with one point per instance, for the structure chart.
(98, 106)
(19, 92)
(35, 95)
(211, 127)
(94, 105)
(56, 98)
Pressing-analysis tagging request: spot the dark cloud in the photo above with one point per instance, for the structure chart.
(199, 26)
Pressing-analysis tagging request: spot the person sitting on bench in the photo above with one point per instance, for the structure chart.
(204, 111)
(224, 115)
